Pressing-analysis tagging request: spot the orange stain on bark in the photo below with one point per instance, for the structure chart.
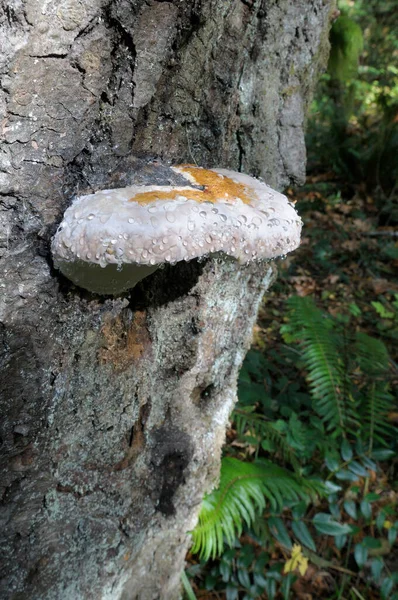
(123, 344)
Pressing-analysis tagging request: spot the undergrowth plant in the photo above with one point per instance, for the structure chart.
(346, 373)
(353, 128)
(311, 436)
(244, 491)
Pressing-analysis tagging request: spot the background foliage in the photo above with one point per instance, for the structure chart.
(353, 129)
(307, 501)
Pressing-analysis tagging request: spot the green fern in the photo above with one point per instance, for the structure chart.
(261, 428)
(371, 354)
(242, 493)
(331, 357)
(376, 406)
(322, 354)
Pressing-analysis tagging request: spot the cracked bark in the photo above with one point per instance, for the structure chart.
(114, 410)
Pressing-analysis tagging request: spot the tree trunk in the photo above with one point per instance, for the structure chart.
(114, 409)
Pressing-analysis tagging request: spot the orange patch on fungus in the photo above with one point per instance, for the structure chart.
(217, 188)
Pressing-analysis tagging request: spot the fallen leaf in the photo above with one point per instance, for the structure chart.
(380, 286)
(350, 245)
(303, 285)
(332, 279)
(346, 208)
(362, 224)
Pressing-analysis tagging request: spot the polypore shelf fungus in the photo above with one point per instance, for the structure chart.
(110, 240)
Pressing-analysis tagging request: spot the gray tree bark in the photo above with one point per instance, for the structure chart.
(114, 409)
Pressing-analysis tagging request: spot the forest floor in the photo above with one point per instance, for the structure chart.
(346, 262)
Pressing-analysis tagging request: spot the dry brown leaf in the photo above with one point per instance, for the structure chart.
(329, 176)
(346, 208)
(305, 241)
(332, 279)
(303, 285)
(380, 286)
(362, 224)
(350, 245)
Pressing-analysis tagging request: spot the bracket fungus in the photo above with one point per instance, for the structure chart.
(110, 240)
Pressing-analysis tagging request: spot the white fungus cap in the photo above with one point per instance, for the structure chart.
(138, 228)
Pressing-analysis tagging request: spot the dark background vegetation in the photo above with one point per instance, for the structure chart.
(306, 506)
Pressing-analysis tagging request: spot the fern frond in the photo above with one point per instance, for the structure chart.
(371, 354)
(375, 408)
(263, 429)
(242, 493)
(322, 357)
